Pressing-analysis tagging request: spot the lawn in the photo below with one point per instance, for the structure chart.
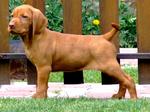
(80, 104)
(91, 76)
(74, 105)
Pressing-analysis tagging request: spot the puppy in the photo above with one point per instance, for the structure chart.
(53, 51)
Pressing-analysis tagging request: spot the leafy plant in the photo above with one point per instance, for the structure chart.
(54, 13)
(14, 3)
(128, 26)
(90, 13)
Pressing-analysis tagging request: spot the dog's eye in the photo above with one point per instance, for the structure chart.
(23, 16)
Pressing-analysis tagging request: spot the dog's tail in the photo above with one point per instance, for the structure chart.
(109, 35)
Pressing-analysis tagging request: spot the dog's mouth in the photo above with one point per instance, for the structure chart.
(14, 32)
(11, 30)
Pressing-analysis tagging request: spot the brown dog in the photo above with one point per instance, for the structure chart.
(52, 51)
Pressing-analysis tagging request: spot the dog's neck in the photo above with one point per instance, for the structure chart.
(26, 41)
(27, 38)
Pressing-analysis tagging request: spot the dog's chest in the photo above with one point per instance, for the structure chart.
(30, 55)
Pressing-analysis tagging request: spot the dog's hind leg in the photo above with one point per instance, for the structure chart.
(112, 68)
(121, 92)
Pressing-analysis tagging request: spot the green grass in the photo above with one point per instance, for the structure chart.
(74, 105)
(133, 72)
(80, 104)
(56, 77)
(91, 76)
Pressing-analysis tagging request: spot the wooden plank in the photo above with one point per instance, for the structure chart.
(4, 72)
(73, 16)
(40, 4)
(143, 27)
(4, 41)
(4, 16)
(73, 24)
(143, 56)
(12, 56)
(109, 14)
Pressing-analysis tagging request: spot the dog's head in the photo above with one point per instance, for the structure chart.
(27, 19)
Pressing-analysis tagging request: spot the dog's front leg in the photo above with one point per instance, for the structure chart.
(42, 82)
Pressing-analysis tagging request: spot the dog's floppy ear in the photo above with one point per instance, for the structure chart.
(39, 22)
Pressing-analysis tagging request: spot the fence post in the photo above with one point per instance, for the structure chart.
(143, 33)
(4, 41)
(109, 13)
(40, 4)
(31, 70)
(73, 24)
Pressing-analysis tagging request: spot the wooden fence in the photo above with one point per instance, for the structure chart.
(72, 24)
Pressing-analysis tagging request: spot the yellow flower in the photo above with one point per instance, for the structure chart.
(96, 22)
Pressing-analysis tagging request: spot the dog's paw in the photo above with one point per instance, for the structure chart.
(39, 95)
(118, 96)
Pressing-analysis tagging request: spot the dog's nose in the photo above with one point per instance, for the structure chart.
(11, 25)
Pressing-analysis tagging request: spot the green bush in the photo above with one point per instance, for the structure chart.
(90, 12)
(14, 3)
(54, 13)
(127, 26)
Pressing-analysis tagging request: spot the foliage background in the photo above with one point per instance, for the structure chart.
(128, 38)
(90, 12)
